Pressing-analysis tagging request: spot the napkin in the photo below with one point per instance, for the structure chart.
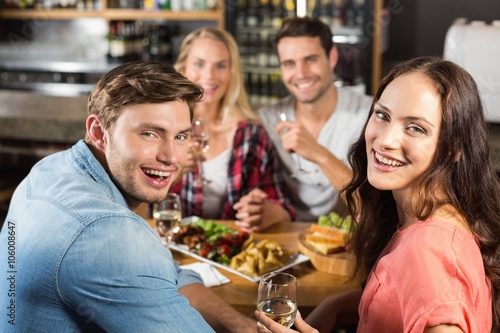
(210, 275)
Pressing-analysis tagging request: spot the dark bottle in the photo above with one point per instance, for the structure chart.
(243, 44)
(274, 87)
(117, 45)
(159, 44)
(325, 12)
(241, 13)
(254, 88)
(264, 13)
(338, 14)
(253, 46)
(264, 91)
(252, 13)
(276, 13)
(263, 49)
(288, 8)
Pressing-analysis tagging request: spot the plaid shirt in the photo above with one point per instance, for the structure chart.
(253, 164)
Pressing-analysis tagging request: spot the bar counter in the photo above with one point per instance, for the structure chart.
(313, 286)
(36, 117)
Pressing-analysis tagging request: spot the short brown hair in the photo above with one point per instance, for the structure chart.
(306, 27)
(139, 82)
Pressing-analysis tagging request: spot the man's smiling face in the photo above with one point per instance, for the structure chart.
(306, 69)
(147, 149)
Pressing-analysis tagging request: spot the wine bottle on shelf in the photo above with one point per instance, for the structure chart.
(311, 8)
(325, 11)
(276, 13)
(241, 16)
(252, 13)
(117, 47)
(273, 56)
(138, 35)
(274, 87)
(264, 93)
(264, 13)
(164, 5)
(242, 40)
(253, 45)
(288, 8)
(263, 51)
(254, 88)
(338, 14)
(159, 43)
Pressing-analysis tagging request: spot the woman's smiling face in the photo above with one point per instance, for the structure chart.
(208, 65)
(402, 133)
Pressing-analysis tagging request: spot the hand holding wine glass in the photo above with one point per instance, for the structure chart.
(300, 168)
(168, 215)
(277, 297)
(199, 145)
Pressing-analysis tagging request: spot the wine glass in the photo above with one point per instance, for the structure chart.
(277, 297)
(168, 215)
(300, 168)
(198, 144)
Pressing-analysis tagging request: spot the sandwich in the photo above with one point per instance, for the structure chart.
(330, 235)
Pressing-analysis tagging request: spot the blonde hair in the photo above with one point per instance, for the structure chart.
(235, 99)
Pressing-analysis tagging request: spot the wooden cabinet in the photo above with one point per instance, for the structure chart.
(216, 15)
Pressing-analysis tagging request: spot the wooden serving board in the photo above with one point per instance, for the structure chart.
(341, 263)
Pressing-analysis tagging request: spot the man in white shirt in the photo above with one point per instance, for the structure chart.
(314, 126)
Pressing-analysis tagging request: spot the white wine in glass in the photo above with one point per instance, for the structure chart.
(198, 144)
(167, 215)
(277, 297)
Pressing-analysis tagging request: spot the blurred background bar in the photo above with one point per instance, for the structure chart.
(52, 52)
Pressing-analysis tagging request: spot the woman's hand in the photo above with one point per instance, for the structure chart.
(250, 211)
(255, 213)
(265, 325)
(191, 163)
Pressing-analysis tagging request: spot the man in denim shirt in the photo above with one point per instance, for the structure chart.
(74, 256)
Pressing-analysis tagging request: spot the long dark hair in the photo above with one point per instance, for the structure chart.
(461, 167)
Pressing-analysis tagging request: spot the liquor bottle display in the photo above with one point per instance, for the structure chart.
(258, 21)
(135, 40)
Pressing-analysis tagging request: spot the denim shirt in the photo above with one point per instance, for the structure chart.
(74, 258)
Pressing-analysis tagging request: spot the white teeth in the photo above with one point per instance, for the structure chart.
(162, 174)
(386, 161)
(305, 85)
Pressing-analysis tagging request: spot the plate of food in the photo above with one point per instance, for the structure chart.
(232, 250)
(326, 243)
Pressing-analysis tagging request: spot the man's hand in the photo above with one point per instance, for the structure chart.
(216, 312)
(295, 138)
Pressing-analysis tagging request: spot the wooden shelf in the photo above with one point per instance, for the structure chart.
(132, 14)
(53, 14)
(112, 14)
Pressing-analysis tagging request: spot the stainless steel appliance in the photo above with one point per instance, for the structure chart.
(475, 46)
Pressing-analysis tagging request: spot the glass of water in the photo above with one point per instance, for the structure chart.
(167, 215)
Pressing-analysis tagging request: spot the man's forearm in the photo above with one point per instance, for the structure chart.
(218, 314)
(337, 172)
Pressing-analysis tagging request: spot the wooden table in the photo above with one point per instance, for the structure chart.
(313, 286)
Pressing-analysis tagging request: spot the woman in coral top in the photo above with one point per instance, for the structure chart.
(427, 201)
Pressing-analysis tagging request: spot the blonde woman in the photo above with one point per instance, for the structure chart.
(241, 164)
